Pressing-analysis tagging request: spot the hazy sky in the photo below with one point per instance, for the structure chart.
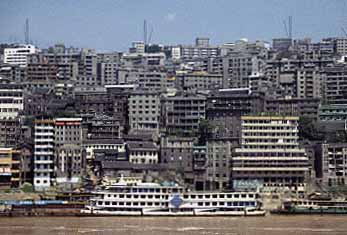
(114, 24)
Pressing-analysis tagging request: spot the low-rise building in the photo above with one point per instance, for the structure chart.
(142, 152)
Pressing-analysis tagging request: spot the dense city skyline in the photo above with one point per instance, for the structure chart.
(107, 26)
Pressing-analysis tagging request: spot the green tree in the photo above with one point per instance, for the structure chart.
(205, 131)
(309, 130)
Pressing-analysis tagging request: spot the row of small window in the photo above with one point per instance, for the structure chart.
(135, 196)
(226, 203)
(216, 196)
(4, 110)
(100, 203)
(144, 160)
(145, 101)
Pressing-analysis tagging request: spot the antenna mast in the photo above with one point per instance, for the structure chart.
(27, 39)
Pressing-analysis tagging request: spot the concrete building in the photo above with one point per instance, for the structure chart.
(70, 161)
(201, 49)
(91, 145)
(138, 47)
(182, 112)
(152, 81)
(219, 161)
(233, 102)
(333, 113)
(44, 154)
(10, 132)
(199, 81)
(239, 66)
(281, 44)
(10, 168)
(144, 110)
(18, 55)
(175, 53)
(335, 84)
(341, 46)
(289, 106)
(176, 153)
(269, 156)
(11, 100)
(334, 164)
(142, 152)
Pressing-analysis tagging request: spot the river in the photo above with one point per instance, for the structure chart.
(268, 225)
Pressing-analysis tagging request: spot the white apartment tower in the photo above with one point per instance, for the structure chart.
(270, 154)
(18, 55)
(43, 154)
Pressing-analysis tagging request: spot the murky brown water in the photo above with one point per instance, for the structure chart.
(268, 225)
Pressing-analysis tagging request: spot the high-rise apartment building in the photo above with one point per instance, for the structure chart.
(270, 155)
(18, 55)
(44, 154)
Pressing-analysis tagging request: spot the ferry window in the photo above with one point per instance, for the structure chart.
(243, 195)
(246, 203)
(121, 203)
(99, 203)
(230, 204)
(128, 196)
(237, 196)
(207, 203)
(121, 196)
(229, 195)
(157, 196)
(192, 196)
(200, 203)
(135, 190)
(221, 203)
(136, 203)
(128, 203)
(157, 190)
(114, 203)
(151, 190)
(185, 196)
(157, 203)
(150, 196)
(250, 195)
(207, 196)
(200, 196)
(221, 196)
(107, 203)
(143, 196)
(136, 196)
(109, 195)
(214, 196)
(214, 203)
(150, 203)
(142, 204)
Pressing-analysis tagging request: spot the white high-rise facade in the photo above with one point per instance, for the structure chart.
(44, 154)
(18, 55)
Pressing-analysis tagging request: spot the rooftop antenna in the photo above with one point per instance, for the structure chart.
(150, 35)
(290, 25)
(27, 40)
(285, 28)
(145, 32)
(344, 31)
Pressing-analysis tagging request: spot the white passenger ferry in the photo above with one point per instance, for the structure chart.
(158, 200)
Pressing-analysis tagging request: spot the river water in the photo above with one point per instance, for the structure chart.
(267, 225)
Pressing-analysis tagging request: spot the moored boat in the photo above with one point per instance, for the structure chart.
(152, 199)
(300, 206)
